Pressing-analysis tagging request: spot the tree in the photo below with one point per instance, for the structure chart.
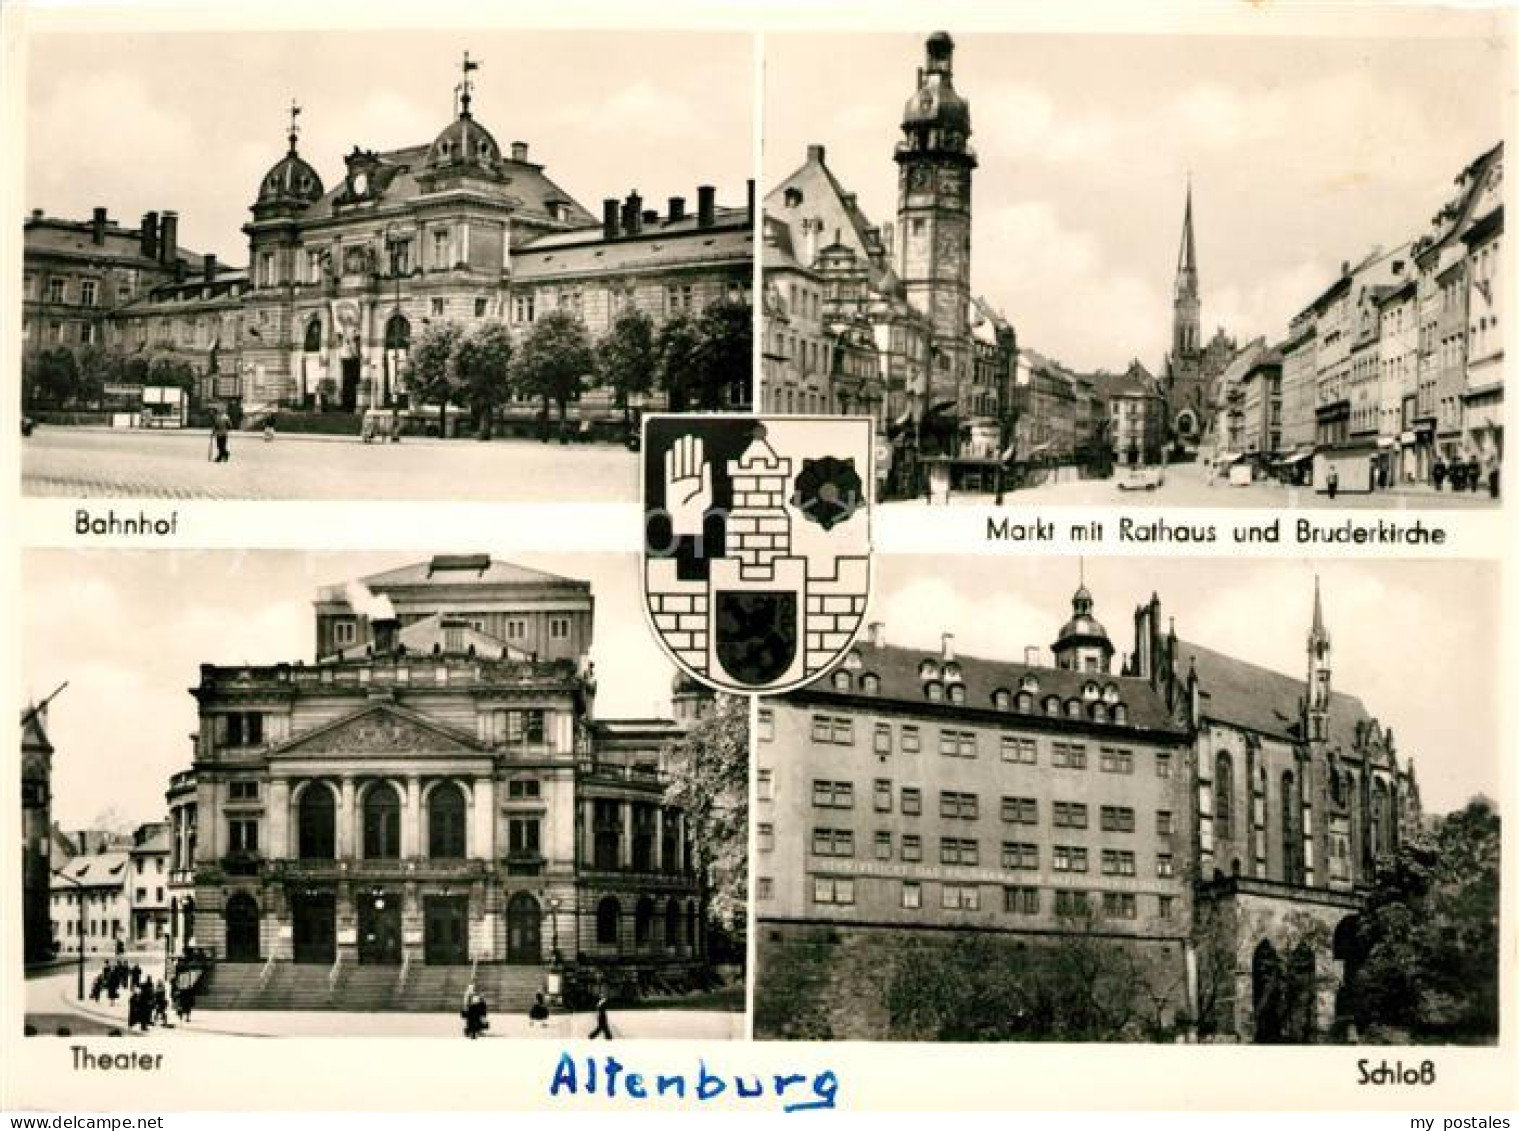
(725, 354)
(1423, 957)
(483, 358)
(554, 360)
(53, 377)
(626, 357)
(709, 781)
(96, 365)
(433, 370)
(679, 349)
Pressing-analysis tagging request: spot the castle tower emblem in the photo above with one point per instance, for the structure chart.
(756, 544)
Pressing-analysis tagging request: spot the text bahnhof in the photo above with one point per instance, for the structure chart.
(1302, 531)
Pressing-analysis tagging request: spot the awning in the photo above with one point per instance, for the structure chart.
(1227, 457)
(1408, 438)
(1385, 442)
(1298, 457)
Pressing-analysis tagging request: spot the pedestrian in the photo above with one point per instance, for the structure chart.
(538, 1012)
(1437, 473)
(1473, 475)
(269, 428)
(186, 1003)
(603, 1024)
(474, 1013)
(136, 975)
(1332, 482)
(222, 430)
(161, 1004)
(1493, 479)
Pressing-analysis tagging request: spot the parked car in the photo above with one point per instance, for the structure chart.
(1141, 478)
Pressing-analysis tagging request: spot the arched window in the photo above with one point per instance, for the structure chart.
(1223, 797)
(1025, 702)
(445, 822)
(382, 823)
(608, 915)
(1073, 708)
(397, 333)
(314, 336)
(317, 823)
(672, 924)
(643, 922)
(841, 680)
(1292, 839)
(1120, 713)
(871, 683)
(1001, 700)
(1052, 704)
(1381, 819)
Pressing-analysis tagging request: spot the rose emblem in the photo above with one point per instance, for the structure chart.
(828, 491)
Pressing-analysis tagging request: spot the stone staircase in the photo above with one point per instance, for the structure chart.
(508, 989)
(231, 985)
(369, 989)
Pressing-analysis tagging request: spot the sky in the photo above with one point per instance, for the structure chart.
(1422, 663)
(129, 630)
(191, 121)
(1302, 153)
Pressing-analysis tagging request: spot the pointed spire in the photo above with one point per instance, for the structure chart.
(1318, 609)
(1186, 261)
(295, 128)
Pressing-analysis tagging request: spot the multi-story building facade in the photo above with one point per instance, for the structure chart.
(1046, 409)
(1482, 397)
(1218, 817)
(91, 903)
(1137, 411)
(434, 790)
(798, 355)
(912, 792)
(1397, 396)
(36, 834)
(77, 274)
(147, 884)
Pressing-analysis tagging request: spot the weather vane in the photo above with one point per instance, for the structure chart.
(467, 84)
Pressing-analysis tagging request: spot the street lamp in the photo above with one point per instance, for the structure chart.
(79, 930)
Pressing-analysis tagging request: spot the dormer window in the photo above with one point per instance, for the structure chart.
(1052, 704)
(928, 670)
(1090, 691)
(1073, 708)
(1025, 702)
(957, 693)
(1099, 713)
(841, 681)
(952, 672)
(1110, 694)
(1030, 684)
(934, 690)
(1002, 699)
(853, 662)
(870, 683)
(1120, 713)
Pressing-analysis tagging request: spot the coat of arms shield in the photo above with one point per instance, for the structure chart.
(756, 544)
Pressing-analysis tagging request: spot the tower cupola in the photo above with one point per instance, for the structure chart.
(1083, 643)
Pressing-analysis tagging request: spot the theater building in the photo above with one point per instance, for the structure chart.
(435, 789)
(1218, 821)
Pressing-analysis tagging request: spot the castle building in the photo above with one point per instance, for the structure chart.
(1217, 821)
(434, 790)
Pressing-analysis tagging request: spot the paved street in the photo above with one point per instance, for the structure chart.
(50, 1003)
(1187, 485)
(102, 463)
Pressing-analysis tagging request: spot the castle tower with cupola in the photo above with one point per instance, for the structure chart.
(1083, 644)
(935, 162)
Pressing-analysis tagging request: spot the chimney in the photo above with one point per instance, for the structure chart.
(749, 200)
(677, 208)
(37, 214)
(877, 634)
(97, 226)
(851, 201)
(650, 217)
(817, 153)
(168, 238)
(149, 235)
(948, 645)
(209, 269)
(179, 269)
(386, 631)
(706, 206)
(1031, 656)
(609, 218)
(519, 151)
(632, 214)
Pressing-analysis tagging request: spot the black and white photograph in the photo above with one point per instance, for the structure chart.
(1056, 801)
(379, 265)
(1249, 270)
(441, 796)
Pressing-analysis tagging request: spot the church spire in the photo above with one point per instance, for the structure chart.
(1319, 670)
(1318, 612)
(1186, 261)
